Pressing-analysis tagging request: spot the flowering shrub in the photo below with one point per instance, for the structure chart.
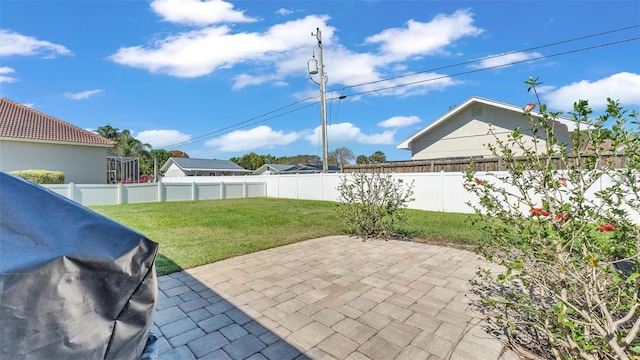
(372, 205)
(570, 289)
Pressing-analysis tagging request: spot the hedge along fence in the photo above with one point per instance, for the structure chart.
(40, 176)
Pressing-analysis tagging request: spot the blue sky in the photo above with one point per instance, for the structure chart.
(218, 79)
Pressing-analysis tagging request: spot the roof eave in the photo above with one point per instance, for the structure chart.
(106, 146)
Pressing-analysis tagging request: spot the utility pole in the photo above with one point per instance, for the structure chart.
(323, 105)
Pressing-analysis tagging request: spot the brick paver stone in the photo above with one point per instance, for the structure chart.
(207, 344)
(338, 346)
(244, 347)
(310, 335)
(169, 315)
(281, 350)
(378, 348)
(354, 330)
(179, 353)
(330, 298)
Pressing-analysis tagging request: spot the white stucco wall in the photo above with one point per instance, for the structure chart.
(80, 164)
(465, 135)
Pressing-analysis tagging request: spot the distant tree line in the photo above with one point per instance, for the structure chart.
(337, 157)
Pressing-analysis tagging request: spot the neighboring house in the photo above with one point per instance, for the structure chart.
(176, 167)
(31, 140)
(463, 131)
(311, 169)
(268, 169)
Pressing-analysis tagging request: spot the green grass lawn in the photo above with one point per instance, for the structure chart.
(200, 232)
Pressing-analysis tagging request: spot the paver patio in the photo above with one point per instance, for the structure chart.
(330, 298)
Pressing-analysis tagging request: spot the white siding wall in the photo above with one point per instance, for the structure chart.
(174, 170)
(80, 164)
(465, 135)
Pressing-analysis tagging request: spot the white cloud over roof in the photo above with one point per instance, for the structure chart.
(18, 44)
(82, 94)
(258, 137)
(161, 138)
(345, 133)
(622, 86)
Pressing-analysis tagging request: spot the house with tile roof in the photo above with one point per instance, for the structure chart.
(463, 131)
(31, 140)
(178, 167)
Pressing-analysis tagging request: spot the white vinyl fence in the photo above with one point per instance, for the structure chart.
(441, 192)
(114, 194)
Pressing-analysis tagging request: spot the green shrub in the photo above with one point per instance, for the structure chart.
(40, 176)
(572, 281)
(373, 205)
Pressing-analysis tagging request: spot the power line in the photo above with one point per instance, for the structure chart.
(250, 122)
(489, 57)
(207, 135)
(494, 67)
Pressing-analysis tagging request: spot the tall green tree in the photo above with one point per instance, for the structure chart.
(362, 159)
(377, 157)
(109, 132)
(128, 146)
(162, 155)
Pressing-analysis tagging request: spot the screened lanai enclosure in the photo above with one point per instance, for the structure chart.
(121, 169)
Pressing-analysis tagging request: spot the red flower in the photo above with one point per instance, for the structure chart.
(606, 227)
(479, 181)
(538, 212)
(465, 186)
(563, 216)
(529, 107)
(562, 181)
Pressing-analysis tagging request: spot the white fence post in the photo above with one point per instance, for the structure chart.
(193, 191)
(160, 191)
(70, 191)
(119, 192)
(442, 190)
(245, 190)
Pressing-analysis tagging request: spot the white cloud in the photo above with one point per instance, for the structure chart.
(17, 44)
(622, 86)
(197, 12)
(5, 78)
(399, 121)
(503, 60)
(29, 105)
(82, 94)
(282, 51)
(283, 11)
(258, 137)
(193, 53)
(161, 138)
(419, 38)
(345, 133)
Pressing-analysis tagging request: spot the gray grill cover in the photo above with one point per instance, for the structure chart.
(73, 284)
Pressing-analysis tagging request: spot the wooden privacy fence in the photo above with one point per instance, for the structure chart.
(461, 165)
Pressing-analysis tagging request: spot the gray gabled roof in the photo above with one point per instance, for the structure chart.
(188, 164)
(273, 168)
(406, 143)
